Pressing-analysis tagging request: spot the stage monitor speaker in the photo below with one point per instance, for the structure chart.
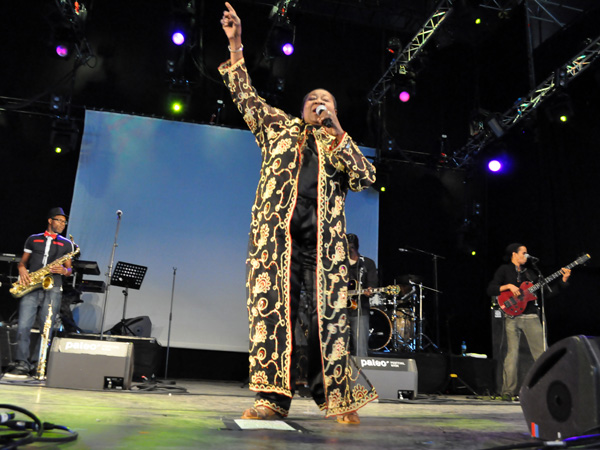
(87, 364)
(140, 326)
(560, 396)
(393, 378)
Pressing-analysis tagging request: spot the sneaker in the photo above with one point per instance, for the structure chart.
(18, 370)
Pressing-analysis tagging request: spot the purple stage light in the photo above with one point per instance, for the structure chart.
(404, 96)
(178, 38)
(287, 49)
(62, 51)
(494, 165)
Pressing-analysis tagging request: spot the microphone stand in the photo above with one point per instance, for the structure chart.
(543, 283)
(435, 288)
(110, 266)
(170, 319)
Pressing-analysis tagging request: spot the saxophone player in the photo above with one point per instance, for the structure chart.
(40, 250)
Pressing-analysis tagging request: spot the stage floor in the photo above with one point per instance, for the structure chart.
(204, 415)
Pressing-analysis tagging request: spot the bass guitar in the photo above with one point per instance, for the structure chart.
(356, 293)
(515, 305)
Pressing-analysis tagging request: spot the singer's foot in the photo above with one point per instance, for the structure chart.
(261, 413)
(349, 418)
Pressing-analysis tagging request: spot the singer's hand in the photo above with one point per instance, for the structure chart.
(232, 25)
(335, 129)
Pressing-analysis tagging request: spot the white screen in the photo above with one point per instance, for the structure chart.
(185, 191)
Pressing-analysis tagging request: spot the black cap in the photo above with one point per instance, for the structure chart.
(58, 211)
(352, 239)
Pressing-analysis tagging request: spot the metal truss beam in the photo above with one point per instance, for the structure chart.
(408, 54)
(543, 11)
(560, 78)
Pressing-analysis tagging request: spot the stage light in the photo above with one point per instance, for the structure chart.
(281, 39)
(64, 136)
(176, 106)
(560, 109)
(287, 49)
(62, 50)
(478, 21)
(178, 37)
(178, 98)
(494, 165)
(405, 87)
(473, 253)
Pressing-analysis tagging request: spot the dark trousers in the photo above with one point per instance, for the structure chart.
(303, 230)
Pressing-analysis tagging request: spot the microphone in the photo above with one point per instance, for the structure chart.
(119, 213)
(532, 258)
(327, 122)
(404, 250)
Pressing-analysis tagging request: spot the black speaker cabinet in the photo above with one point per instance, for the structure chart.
(560, 396)
(87, 364)
(393, 379)
(499, 350)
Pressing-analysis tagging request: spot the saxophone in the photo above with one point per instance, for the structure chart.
(41, 278)
(44, 341)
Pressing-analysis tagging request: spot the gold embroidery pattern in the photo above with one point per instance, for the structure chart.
(341, 167)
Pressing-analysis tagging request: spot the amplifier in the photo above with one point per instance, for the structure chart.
(393, 378)
(87, 364)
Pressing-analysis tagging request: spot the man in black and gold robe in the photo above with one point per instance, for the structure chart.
(298, 241)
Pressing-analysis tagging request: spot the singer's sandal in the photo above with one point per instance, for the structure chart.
(349, 418)
(261, 413)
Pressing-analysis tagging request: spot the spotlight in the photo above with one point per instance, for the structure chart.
(494, 165)
(62, 50)
(64, 136)
(57, 104)
(178, 98)
(281, 39)
(494, 125)
(560, 109)
(287, 49)
(178, 37)
(394, 45)
(405, 87)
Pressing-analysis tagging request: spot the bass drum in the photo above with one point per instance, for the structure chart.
(380, 329)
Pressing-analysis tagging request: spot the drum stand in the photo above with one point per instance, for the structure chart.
(398, 341)
(420, 334)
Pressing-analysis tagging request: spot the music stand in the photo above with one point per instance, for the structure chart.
(128, 276)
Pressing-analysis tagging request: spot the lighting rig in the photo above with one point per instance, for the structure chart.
(397, 72)
(522, 107)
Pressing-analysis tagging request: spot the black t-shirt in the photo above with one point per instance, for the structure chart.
(45, 250)
(364, 271)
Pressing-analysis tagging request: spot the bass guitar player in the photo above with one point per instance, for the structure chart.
(508, 282)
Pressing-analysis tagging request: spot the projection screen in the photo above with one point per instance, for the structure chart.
(185, 191)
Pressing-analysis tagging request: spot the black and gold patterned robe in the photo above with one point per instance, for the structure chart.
(342, 166)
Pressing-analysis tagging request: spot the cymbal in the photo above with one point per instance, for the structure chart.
(408, 278)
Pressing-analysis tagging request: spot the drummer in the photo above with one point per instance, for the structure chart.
(363, 278)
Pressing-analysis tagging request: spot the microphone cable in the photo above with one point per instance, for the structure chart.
(23, 436)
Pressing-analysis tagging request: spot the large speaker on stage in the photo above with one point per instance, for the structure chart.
(393, 379)
(560, 396)
(87, 364)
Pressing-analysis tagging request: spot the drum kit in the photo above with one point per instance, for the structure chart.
(396, 317)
